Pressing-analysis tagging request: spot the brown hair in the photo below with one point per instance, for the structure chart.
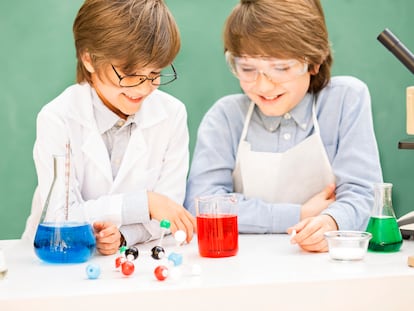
(130, 33)
(284, 29)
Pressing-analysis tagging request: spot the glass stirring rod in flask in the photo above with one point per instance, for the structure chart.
(67, 179)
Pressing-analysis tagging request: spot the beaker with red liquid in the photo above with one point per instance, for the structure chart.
(217, 228)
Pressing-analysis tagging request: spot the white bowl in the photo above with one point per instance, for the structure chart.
(347, 245)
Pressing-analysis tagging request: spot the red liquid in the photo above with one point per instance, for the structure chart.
(217, 235)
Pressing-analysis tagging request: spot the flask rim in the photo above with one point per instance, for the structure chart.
(383, 184)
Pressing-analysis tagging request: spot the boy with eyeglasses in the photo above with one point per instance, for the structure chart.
(298, 146)
(129, 140)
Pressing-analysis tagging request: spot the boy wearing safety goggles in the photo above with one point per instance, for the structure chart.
(298, 146)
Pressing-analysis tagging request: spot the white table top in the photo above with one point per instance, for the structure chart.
(268, 272)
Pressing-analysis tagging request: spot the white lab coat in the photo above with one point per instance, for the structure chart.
(156, 158)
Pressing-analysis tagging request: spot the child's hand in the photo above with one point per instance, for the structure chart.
(107, 236)
(309, 233)
(161, 207)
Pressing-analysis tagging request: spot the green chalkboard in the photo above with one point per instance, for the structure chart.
(37, 61)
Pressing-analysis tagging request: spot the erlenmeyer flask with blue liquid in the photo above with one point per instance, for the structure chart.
(63, 235)
(386, 235)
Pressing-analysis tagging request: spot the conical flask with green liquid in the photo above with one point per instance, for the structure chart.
(386, 235)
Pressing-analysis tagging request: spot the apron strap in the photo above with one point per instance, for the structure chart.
(314, 119)
(250, 111)
(247, 121)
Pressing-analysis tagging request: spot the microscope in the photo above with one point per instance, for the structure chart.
(392, 43)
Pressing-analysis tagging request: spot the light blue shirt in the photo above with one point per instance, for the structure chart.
(343, 110)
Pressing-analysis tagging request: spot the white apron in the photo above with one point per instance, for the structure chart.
(293, 176)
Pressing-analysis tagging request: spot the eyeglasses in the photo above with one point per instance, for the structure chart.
(157, 79)
(277, 70)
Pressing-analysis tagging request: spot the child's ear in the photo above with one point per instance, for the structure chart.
(87, 62)
(315, 69)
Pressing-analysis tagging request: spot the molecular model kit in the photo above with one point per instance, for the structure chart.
(171, 266)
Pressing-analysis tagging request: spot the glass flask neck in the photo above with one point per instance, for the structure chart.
(55, 208)
(383, 200)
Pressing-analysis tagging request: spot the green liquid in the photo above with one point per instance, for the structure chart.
(386, 236)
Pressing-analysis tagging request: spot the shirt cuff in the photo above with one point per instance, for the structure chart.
(134, 234)
(135, 208)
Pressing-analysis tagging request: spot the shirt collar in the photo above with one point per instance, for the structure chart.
(301, 114)
(105, 118)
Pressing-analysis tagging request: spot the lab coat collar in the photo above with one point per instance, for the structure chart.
(81, 111)
(151, 113)
(105, 118)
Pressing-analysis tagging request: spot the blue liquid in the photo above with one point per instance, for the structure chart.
(64, 242)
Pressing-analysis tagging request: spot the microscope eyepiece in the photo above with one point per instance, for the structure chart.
(392, 43)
